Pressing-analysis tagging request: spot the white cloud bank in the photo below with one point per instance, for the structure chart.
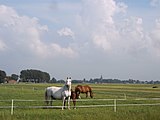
(103, 32)
(22, 33)
(126, 36)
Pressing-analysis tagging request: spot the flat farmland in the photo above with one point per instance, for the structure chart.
(110, 102)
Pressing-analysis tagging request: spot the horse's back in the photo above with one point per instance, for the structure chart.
(79, 86)
(53, 89)
(54, 92)
(88, 88)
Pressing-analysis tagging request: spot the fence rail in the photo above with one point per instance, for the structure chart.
(114, 105)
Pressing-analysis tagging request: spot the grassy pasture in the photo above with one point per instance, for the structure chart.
(101, 91)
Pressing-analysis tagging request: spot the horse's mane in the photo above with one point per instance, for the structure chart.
(65, 87)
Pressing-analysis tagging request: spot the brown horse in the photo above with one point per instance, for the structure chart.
(73, 97)
(83, 89)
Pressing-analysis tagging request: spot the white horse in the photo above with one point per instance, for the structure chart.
(61, 93)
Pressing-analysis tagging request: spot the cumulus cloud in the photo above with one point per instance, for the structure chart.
(22, 33)
(100, 41)
(127, 36)
(66, 32)
(96, 16)
(100, 22)
(98, 11)
(121, 7)
(155, 37)
(69, 52)
(132, 36)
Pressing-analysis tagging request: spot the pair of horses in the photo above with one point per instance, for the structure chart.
(65, 93)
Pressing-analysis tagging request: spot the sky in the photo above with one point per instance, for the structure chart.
(118, 39)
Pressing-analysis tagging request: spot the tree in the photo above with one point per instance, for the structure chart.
(14, 77)
(36, 76)
(53, 80)
(2, 76)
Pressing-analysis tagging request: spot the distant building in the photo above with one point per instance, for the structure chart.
(12, 81)
(9, 80)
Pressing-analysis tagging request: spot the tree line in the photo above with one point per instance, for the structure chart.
(28, 75)
(37, 76)
(101, 81)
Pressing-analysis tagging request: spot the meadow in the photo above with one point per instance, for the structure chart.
(131, 100)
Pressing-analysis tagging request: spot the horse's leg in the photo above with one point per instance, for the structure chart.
(91, 94)
(50, 101)
(86, 94)
(47, 102)
(65, 104)
(46, 98)
(79, 97)
(74, 103)
(64, 98)
(69, 102)
(78, 94)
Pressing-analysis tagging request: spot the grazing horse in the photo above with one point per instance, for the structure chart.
(62, 93)
(83, 89)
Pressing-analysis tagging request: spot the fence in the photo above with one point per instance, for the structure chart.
(114, 105)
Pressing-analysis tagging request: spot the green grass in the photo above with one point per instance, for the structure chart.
(101, 91)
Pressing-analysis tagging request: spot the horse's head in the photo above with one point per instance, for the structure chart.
(68, 82)
(91, 94)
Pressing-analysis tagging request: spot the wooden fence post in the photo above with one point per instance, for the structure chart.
(12, 108)
(115, 106)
